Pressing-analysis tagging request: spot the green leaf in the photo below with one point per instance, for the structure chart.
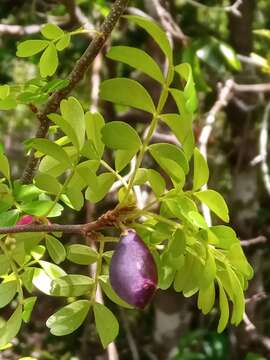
(47, 183)
(38, 251)
(110, 293)
(55, 249)
(6, 199)
(48, 61)
(237, 259)
(51, 269)
(81, 254)
(4, 264)
(41, 208)
(177, 243)
(69, 318)
(206, 298)
(238, 297)
(63, 43)
(209, 271)
(201, 171)
(181, 126)
(156, 32)
(226, 236)
(72, 285)
(55, 85)
(31, 47)
(8, 103)
(262, 32)
(105, 182)
(66, 128)
(120, 135)
(4, 91)
(25, 193)
(7, 292)
(215, 202)
(157, 182)
(138, 59)
(197, 219)
(94, 123)
(50, 148)
(73, 113)
(87, 171)
(166, 276)
(75, 197)
(224, 309)
(28, 305)
(123, 158)
(9, 218)
(230, 56)
(171, 159)
(127, 92)
(106, 323)
(4, 166)
(186, 278)
(12, 326)
(42, 281)
(51, 31)
(185, 71)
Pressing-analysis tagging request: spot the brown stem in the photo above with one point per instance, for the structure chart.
(75, 76)
(110, 218)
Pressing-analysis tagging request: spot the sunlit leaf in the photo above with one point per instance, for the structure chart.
(127, 92)
(138, 59)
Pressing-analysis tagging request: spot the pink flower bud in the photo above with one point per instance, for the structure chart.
(25, 220)
(133, 272)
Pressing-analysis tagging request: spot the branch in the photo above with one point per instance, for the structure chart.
(110, 218)
(168, 22)
(258, 240)
(233, 9)
(223, 97)
(75, 76)
(19, 30)
(264, 87)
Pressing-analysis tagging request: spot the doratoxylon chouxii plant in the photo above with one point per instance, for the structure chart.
(166, 243)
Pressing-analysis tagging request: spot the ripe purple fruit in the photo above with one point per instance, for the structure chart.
(133, 272)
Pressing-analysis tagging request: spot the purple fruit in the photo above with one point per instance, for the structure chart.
(133, 272)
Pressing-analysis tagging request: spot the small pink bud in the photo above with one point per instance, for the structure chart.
(25, 220)
(133, 272)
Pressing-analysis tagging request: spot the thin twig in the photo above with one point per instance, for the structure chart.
(256, 297)
(19, 30)
(223, 98)
(251, 242)
(110, 218)
(233, 9)
(264, 87)
(75, 76)
(168, 23)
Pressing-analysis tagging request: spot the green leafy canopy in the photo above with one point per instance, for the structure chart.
(86, 158)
